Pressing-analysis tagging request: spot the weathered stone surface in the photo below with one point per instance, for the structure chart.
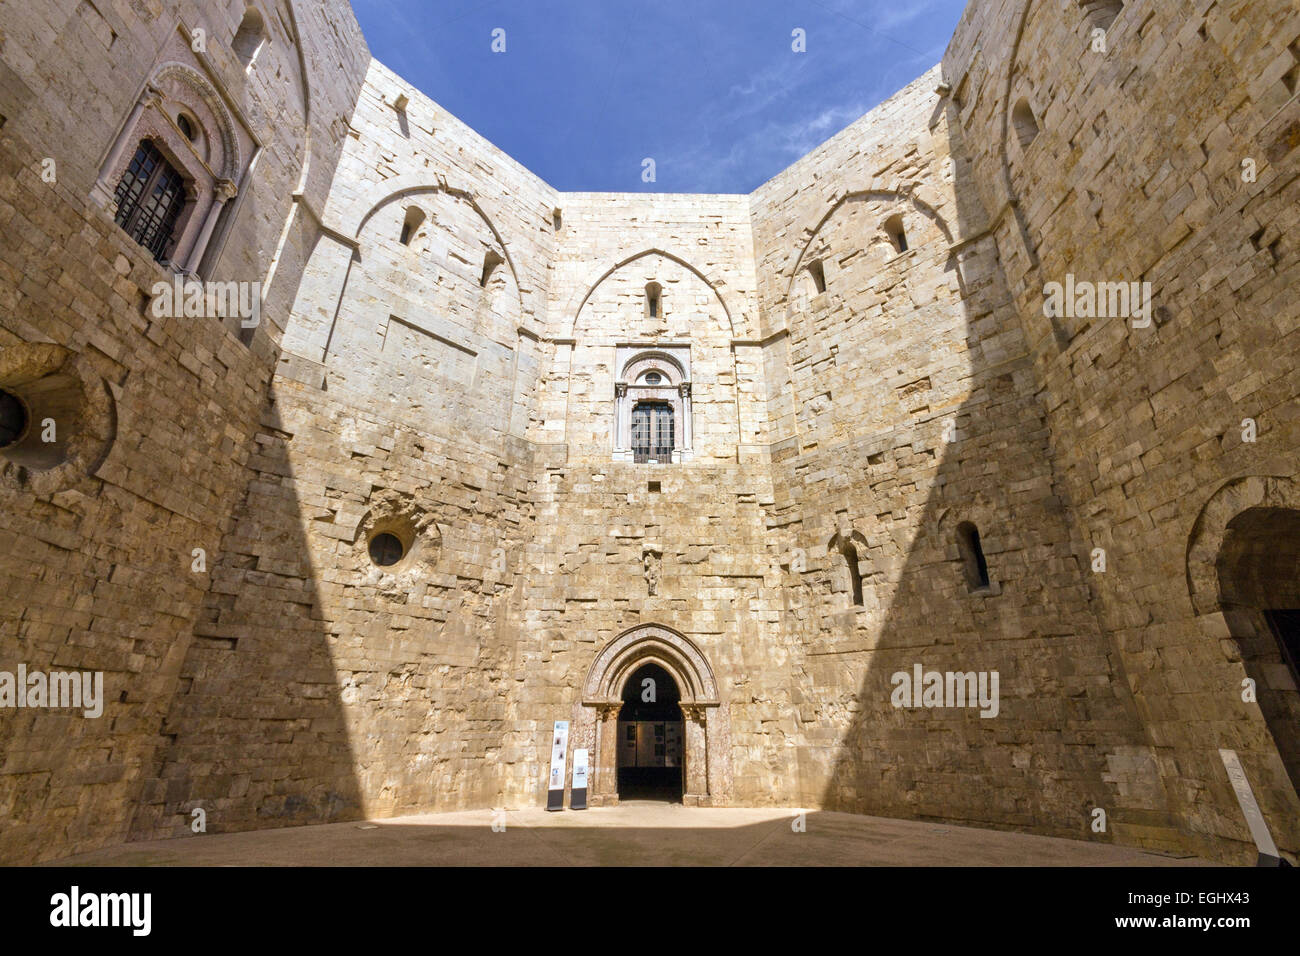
(442, 341)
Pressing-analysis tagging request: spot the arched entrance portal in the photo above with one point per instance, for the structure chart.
(1259, 593)
(616, 683)
(650, 737)
(1243, 563)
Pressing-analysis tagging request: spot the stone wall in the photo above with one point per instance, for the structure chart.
(1138, 173)
(438, 362)
(915, 410)
(155, 416)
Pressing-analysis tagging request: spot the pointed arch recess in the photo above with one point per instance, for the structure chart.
(650, 644)
(878, 195)
(655, 251)
(462, 194)
(1211, 527)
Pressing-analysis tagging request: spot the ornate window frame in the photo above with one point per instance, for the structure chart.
(672, 363)
(211, 163)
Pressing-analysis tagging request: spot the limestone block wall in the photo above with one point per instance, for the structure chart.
(915, 409)
(601, 524)
(323, 687)
(353, 689)
(155, 416)
(718, 583)
(1139, 172)
(437, 362)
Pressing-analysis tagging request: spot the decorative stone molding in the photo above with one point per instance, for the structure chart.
(650, 643)
(633, 364)
(194, 80)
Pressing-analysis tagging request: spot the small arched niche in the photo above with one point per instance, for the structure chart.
(654, 300)
(848, 550)
(893, 227)
(411, 224)
(1024, 122)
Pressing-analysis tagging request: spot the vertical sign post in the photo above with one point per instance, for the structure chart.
(1268, 855)
(559, 747)
(578, 795)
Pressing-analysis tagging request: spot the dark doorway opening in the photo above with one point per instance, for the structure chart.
(1259, 595)
(651, 742)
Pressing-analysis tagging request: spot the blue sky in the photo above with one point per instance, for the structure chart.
(710, 89)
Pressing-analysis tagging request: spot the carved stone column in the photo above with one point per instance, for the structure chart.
(695, 782)
(604, 782)
(684, 390)
(224, 191)
(620, 413)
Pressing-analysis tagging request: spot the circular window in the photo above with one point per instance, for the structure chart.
(186, 126)
(13, 418)
(386, 549)
(653, 378)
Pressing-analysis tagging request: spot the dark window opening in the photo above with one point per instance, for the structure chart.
(652, 432)
(13, 418)
(557, 221)
(972, 554)
(653, 378)
(186, 127)
(897, 236)
(850, 553)
(386, 549)
(818, 273)
(149, 199)
(653, 487)
(652, 295)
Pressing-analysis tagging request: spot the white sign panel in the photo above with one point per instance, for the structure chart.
(1249, 808)
(580, 770)
(559, 746)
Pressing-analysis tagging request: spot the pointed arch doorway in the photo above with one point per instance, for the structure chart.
(616, 681)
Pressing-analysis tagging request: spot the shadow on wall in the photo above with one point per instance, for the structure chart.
(256, 735)
(992, 589)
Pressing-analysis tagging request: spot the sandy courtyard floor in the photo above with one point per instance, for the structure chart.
(635, 833)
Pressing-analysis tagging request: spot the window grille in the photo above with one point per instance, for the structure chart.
(652, 432)
(149, 199)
